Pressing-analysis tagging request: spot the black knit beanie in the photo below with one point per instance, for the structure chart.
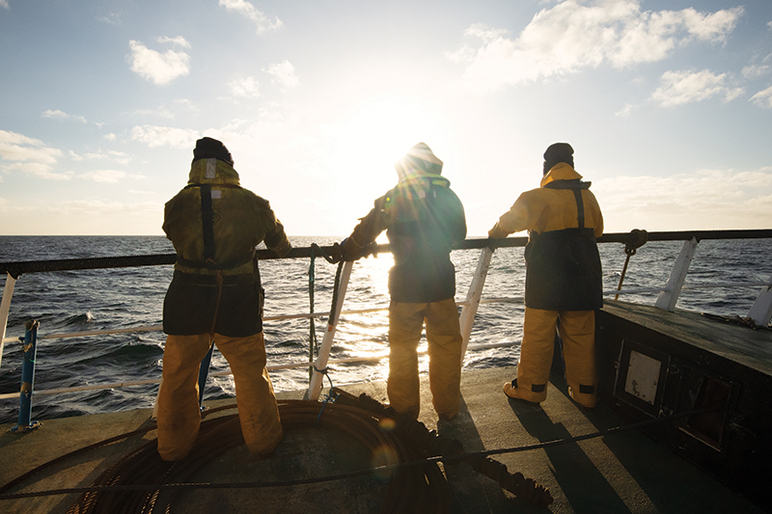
(207, 148)
(558, 152)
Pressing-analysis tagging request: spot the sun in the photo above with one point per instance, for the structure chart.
(368, 138)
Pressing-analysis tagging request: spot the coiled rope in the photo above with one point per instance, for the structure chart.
(140, 477)
(410, 489)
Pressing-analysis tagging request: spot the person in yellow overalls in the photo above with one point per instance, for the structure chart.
(563, 284)
(423, 219)
(215, 297)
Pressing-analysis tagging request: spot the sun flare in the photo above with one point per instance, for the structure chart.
(369, 138)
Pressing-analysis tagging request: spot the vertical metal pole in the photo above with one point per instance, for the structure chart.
(312, 327)
(315, 384)
(28, 377)
(761, 312)
(668, 298)
(203, 372)
(473, 296)
(5, 307)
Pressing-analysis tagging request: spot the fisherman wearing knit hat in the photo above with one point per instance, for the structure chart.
(423, 219)
(563, 278)
(215, 297)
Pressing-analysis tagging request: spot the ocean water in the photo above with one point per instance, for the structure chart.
(74, 301)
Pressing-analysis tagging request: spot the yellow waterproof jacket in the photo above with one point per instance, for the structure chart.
(215, 226)
(544, 209)
(241, 221)
(563, 269)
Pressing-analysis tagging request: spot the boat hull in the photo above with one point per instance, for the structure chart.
(654, 364)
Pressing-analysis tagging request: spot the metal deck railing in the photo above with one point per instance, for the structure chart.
(760, 313)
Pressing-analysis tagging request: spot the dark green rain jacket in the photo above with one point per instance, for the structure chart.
(215, 225)
(423, 219)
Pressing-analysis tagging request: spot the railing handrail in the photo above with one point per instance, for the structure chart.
(17, 268)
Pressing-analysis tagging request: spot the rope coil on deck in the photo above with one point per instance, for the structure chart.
(224, 432)
(410, 489)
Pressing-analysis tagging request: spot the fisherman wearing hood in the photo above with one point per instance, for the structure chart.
(423, 219)
(563, 284)
(215, 297)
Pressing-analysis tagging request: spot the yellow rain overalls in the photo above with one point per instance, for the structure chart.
(563, 283)
(423, 218)
(216, 297)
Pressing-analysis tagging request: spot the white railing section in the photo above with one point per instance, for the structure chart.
(5, 308)
(760, 313)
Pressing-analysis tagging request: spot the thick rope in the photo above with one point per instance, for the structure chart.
(290, 420)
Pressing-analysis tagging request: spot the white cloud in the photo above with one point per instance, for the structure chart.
(18, 139)
(179, 40)
(249, 11)
(166, 112)
(61, 115)
(283, 74)
(120, 157)
(111, 18)
(705, 198)
(110, 137)
(55, 114)
(763, 98)
(17, 147)
(574, 35)
(755, 70)
(104, 176)
(244, 87)
(161, 112)
(186, 104)
(680, 87)
(155, 136)
(157, 67)
(38, 169)
(4, 3)
(625, 111)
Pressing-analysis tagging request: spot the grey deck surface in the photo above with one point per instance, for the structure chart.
(624, 472)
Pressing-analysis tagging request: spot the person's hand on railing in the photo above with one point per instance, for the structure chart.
(335, 252)
(352, 251)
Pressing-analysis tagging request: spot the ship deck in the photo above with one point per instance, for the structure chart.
(619, 472)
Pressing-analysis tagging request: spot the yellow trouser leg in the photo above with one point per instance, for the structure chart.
(577, 330)
(405, 325)
(533, 368)
(179, 416)
(258, 411)
(444, 338)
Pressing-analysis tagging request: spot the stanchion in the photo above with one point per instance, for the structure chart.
(28, 378)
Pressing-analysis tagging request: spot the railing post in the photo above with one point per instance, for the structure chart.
(28, 378)
(469, 311)
(5, 307)
(315, 383)
(668, 298)
(761, 312)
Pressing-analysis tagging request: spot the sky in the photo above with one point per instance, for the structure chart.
(667, 104)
